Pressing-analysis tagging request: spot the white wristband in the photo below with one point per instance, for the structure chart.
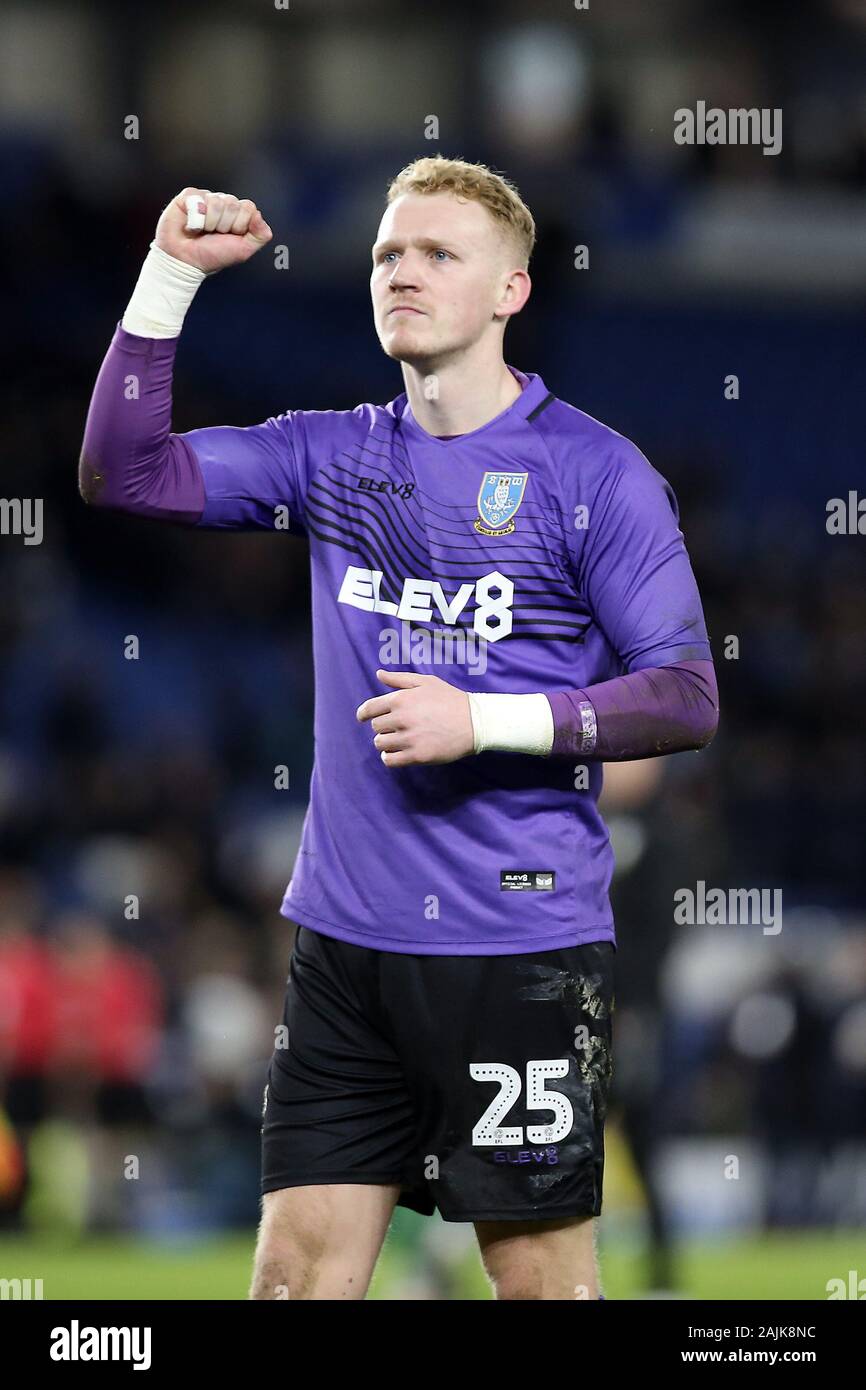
(512, 723)
(166, 287)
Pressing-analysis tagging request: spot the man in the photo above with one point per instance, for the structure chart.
(448, 1009)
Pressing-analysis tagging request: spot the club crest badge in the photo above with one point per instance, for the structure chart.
(499, 497)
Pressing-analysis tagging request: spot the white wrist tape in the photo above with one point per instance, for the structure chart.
(166, 287)
(512, 723)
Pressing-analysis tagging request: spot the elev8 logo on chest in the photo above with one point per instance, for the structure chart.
(493, 593)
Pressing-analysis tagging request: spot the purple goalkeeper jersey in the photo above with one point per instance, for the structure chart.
(540, 552)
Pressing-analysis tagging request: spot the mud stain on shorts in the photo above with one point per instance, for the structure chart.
(564, 987)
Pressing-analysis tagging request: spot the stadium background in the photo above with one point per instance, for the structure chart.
(147, 1037)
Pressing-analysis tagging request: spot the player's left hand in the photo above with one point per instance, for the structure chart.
(421, 720)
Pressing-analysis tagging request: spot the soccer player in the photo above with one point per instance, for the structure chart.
(502, 600)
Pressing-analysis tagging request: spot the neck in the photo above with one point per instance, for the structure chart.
(468, 394)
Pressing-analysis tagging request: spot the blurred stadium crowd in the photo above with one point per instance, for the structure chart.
(143, 845)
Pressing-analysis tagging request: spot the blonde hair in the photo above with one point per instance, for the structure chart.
(436, 174)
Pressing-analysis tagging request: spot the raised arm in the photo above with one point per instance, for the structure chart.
(130, 461)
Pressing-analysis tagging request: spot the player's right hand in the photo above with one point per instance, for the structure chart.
(211, 230)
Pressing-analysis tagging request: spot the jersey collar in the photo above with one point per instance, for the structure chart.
(533, 393)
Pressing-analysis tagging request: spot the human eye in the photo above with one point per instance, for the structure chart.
(440, 251)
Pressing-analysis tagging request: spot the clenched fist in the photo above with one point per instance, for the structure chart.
(211, 230)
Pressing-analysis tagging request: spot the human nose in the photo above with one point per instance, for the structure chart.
(405, 274)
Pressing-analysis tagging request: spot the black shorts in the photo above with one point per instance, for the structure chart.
(478, 1083)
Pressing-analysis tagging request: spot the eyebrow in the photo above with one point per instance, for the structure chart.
(425, 242)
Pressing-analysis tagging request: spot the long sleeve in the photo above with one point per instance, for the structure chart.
(664, 709)
(130, 461)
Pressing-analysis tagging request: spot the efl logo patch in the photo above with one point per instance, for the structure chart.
(499, 497)
(527, 880)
